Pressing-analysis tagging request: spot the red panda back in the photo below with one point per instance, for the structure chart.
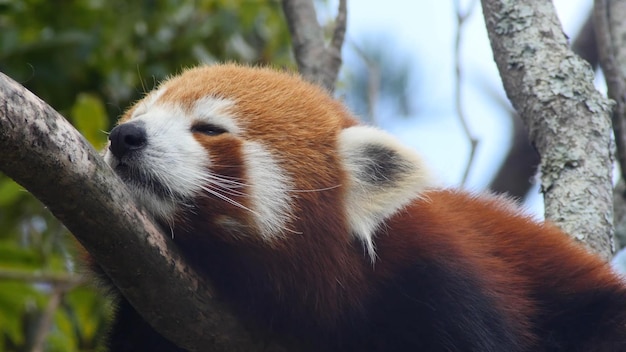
(553, 294)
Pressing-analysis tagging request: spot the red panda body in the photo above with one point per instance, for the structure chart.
(317, 228)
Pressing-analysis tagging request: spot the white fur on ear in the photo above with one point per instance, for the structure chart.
(384, 176)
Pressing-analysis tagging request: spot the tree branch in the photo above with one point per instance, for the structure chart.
(316, 61)
(610, 31)
(373, 83)
(520, 165)
(568, 120)
(40, 150)
(45, 322)
(38, 277)
(585, 44)
(611, 46)
(461, 17)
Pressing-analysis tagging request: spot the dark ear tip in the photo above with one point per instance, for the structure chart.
(376, 158)
(382, 164)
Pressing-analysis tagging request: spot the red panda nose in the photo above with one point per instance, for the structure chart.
(127, 137)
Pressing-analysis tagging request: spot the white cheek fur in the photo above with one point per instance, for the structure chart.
(172, 153)
(269, 187)
(172, 157)
(175, 159)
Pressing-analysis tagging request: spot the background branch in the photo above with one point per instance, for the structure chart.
(41, 277)
(461, 16)
(612, 49)
(568, 120)
(45, 322)
(515, 175)
(611, 44)
(585, 44)
(373, 83)
(317, 62)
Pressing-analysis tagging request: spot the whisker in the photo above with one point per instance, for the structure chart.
(315, 190)
(221, 179)
(227, 166)
(239, 205)
(228, 200)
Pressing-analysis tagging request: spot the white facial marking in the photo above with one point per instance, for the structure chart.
(172, 156)
(384, 177)
(215, 111)
(146, 103)
(268, 191)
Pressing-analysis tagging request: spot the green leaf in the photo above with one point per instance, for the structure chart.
(89, 311)
(16, 300)
(90, 118)
(63, 337)
(15, 256)
(10, 191)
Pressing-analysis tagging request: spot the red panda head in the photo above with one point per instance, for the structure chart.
(254, 154)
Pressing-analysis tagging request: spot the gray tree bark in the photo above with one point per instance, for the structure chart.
(568, 120)
(520, 165)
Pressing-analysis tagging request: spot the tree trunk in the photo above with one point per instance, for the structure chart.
(568, 120)
(520, 165)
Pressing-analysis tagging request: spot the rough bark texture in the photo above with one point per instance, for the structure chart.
(568, 120)
(40, 150)
(611, 37)
(317, 62)
(520, 165)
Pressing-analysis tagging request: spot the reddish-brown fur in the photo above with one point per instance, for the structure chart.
(453, 271)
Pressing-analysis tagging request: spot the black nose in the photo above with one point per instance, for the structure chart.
(127, 137)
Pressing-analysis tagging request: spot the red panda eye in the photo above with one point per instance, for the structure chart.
(207, 129)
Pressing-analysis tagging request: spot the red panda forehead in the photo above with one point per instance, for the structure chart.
(264, 102)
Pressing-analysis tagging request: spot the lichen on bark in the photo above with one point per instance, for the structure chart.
(568, 119)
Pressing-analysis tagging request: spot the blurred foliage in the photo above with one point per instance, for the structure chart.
(89, 59)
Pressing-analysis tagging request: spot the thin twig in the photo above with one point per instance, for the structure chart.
(39, 277)
(45, 321)
(373, 82)
(614, 77)
(461, 17)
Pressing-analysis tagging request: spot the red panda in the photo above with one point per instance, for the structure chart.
(315, 227)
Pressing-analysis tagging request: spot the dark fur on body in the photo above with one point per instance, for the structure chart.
(429, 290)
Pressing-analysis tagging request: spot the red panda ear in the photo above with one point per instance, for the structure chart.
(384, 176)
